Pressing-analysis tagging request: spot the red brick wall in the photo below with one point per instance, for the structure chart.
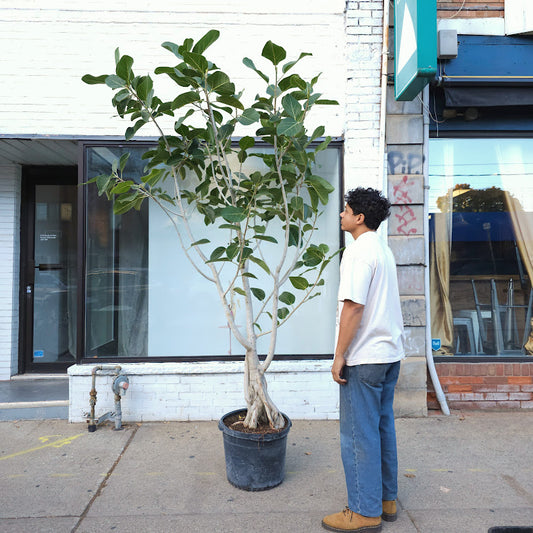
(470, 9)
(484, 385)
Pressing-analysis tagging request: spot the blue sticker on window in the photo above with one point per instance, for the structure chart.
(38, 353)
(435, 344)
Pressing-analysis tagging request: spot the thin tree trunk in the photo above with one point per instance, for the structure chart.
(261, 408)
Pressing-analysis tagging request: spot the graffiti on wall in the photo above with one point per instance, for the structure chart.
(404, 163)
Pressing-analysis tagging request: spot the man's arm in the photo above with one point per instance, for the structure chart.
(350, 318)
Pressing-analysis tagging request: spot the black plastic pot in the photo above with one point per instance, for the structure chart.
(254, 461)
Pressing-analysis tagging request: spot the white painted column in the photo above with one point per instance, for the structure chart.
(10, 181)
(364, 35)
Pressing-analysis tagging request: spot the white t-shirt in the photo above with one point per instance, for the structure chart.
(368, 277)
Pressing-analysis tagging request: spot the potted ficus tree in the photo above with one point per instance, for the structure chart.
(267, 217)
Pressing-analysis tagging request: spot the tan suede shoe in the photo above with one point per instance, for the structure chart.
(349, 521)
(390, 513)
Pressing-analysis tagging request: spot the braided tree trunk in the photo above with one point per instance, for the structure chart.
(261, 408)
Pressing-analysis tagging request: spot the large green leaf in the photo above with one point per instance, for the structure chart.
(144, 87)
(201, 241)
(265, 238)
(184, 99)
(121, 187)
(102, 182)
(294, 82)
(232, 250)
(94, 80)
(246, 142)
(172, 47)
(319, 132)
(230, 100)
(197, 61)
(322, 187)
(206, 41)
(289, 127)
(327, 102)
(291, 64)
(249, 116)
(115, 82)
(260, 262)
(299, 283)
(274, 53)
(287, 298)
(291, 106)
(123, 69)
(250, 64)
(283, 312)
(217, 253)
(258, 293)
(233, 214)
(219, 82)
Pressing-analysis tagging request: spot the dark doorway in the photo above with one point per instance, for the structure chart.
(48, 269)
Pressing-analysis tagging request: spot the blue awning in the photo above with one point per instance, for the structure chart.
(497, 61)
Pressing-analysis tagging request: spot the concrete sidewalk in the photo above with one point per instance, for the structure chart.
(458, 474)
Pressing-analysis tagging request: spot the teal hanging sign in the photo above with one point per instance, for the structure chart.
(415, 46)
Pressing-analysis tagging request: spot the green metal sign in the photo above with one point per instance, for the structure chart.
(415, 46)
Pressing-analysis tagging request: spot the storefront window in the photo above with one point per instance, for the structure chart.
(116, 290)
(481, 246)
(144, 299)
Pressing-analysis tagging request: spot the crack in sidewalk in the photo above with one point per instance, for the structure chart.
(105, 480)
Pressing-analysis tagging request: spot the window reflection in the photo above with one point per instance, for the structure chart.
(116, 266)
(143, 298)
(481, 246)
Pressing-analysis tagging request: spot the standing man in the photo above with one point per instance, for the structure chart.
(368, 351)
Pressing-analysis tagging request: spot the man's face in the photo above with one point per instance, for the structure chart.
(349, 221)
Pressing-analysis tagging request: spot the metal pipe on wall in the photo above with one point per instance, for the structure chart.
(429, 351)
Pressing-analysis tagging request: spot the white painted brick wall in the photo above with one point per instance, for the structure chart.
(363, 157)
(203, 391)
(47, 46)
(9, 268)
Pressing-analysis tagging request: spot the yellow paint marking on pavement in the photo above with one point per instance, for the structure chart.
(62, 475)
(53, 444)
(14, 476)
(410, 469)
(47, 438)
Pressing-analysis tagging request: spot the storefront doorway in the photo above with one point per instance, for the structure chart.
(48, 280)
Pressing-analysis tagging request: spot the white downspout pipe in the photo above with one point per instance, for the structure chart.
(382, 171)
(429, 352)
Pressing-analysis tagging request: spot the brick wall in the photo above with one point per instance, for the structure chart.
(51, 44)
(204, 390)
(470, 9)
(207, 390)
(364, 35)
(497, 385)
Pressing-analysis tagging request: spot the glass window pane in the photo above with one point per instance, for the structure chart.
(54, 303)
(116, 292)
(145, 299)
(481, 237)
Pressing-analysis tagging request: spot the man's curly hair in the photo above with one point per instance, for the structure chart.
(371, 203)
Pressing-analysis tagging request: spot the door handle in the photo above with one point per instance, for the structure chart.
(49, 266)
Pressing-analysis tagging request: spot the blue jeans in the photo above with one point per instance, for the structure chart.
(368, 436)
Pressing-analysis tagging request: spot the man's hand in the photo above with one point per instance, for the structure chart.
(350, 318)
(337, 368)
